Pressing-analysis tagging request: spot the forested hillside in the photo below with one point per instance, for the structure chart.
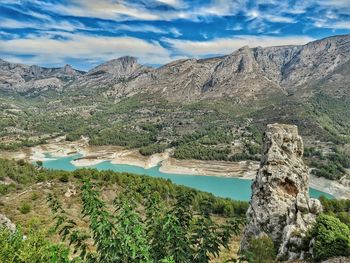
(103, 216)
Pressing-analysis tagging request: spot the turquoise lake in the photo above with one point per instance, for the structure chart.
(235, 188)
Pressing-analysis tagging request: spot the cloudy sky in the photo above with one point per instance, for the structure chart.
(84, 33)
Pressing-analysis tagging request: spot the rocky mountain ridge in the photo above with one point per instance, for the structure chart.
(34, 79)
(244, 75)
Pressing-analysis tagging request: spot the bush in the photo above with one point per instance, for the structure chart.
(332, 238)
(34, 248)
(261, 250)
(152, 149)
(64, 178)
(25, 208)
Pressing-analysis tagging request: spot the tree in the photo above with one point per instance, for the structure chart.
(160, 234)
(332, 238)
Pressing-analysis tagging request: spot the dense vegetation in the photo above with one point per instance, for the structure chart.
(143, 230)
(332, 238)
(215, 144)
(337, 208)
(330, 165)
(150, 220)
(34, 248)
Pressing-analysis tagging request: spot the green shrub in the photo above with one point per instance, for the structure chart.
(332, 238)
(152, 149)
(34, 196)
(261, 250)
(35, 248)
(64, 178)
(25, 208)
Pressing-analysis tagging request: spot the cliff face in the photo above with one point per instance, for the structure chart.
(280, 206)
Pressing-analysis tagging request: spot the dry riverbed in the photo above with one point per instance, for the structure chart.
(92, 155)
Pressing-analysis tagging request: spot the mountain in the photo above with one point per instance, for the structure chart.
(246, 74)
(110, 73)
(33, 79)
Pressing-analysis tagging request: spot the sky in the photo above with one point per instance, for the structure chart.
(85, 33)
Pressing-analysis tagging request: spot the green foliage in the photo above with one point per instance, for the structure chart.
(333, 115)
(64, 178)
(124, 137)
(200, 152)
(332, 238)
(332, 166)
(161, 235)
(261, 250)
(25, 208)
(35, 248)
(311, 152)
(23, 173)
(152, 149)
(339, 208)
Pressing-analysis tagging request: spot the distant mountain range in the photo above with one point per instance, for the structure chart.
(246, 74)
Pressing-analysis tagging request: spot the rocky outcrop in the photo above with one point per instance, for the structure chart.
(280, 206)
(6, 222)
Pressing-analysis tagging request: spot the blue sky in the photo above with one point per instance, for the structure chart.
(84, 33)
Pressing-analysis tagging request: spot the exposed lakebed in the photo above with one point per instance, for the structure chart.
(235, 188)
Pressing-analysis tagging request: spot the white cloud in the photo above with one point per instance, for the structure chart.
(127, 10)
(176, 32)
(222, 46)
(174, 3)
(78, 46)
(137, 28)
(332, 24)
(237, 27)
(279, 19)
(43, 25)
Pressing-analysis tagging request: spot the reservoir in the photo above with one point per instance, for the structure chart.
(234, 188)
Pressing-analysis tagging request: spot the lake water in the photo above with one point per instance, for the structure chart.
(235, 188)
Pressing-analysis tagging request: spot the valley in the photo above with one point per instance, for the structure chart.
(174, 131)
(146, 111)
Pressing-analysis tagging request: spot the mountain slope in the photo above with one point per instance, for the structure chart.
(25, 79)
(246, 74)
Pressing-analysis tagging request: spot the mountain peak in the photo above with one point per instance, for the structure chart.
(120, 67)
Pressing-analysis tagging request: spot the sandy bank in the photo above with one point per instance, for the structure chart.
(332, 187)
(244, 169)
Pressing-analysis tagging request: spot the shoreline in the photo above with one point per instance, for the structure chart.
(93, 155)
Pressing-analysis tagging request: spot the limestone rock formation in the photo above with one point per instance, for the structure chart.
(280, 206)
(6, 222)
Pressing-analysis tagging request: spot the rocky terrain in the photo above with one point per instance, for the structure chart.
(32, 80)
(246, 74)
(280, 206)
